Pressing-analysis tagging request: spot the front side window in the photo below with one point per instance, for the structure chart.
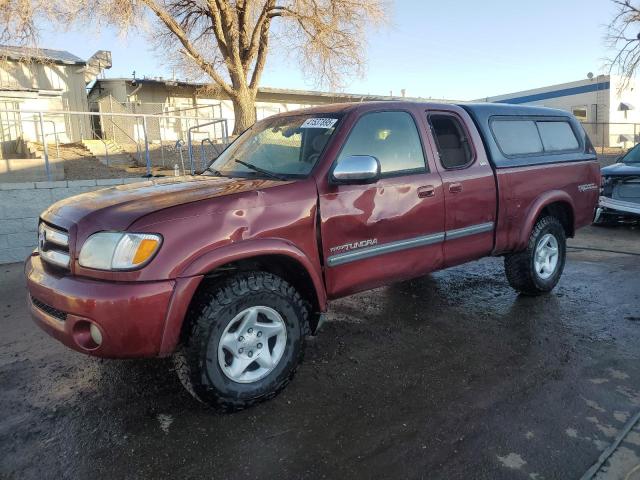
(391, 137)
(451, 141)
(284, 147)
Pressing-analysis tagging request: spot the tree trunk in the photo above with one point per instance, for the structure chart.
(245, 112)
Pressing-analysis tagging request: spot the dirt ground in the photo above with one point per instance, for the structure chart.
(449, 376)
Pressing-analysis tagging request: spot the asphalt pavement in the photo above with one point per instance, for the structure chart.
(452, 375)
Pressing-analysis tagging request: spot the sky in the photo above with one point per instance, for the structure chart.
(463, 50)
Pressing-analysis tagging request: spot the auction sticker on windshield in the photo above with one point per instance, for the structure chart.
(319, 123)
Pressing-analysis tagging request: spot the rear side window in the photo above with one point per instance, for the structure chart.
(391, 137)
(517, 137)
(557, 136)
(451, 140)
(529, 137)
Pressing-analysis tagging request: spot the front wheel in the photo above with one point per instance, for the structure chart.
(244, 339)
(538, 268)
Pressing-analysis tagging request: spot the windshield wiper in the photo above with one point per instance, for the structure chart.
(260, 170)
(216, 173)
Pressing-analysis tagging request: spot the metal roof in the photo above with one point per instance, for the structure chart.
(274, 91)
(40, 54)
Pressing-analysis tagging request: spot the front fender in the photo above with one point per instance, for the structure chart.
(535, 210)
(189, 279)
(234, 252)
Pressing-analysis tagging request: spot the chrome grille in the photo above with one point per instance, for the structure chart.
(49, 310)
(53, 245)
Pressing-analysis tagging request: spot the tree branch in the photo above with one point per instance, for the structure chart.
(258, 32)
(180, 34)
(263, 51)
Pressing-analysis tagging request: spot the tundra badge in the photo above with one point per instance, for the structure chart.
(587, 186)
(354, 245)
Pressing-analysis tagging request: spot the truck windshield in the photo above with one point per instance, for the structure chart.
(279, 147)
(632, 156)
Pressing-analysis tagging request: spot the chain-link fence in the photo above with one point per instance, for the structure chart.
(612, 138)
(118, 141)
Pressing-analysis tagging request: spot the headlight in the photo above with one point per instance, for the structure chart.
(118, 251)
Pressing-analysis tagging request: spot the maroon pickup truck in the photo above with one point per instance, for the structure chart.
(229, 270)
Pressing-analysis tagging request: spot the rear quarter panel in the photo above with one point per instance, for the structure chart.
(525, 191)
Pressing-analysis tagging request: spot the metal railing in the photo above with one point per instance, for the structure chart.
(151, 129)
(55, 136)
(225, 137)
(106, 147)
(138, 151)
(202, 155)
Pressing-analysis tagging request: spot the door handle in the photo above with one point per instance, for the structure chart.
(455, 187)
(426, 191)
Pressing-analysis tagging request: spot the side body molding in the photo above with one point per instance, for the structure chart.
(536, 208)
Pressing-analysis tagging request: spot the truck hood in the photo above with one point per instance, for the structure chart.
(621, 169)
(116, 208)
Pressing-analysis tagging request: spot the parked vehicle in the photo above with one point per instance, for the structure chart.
(229, 271)
(620, 193)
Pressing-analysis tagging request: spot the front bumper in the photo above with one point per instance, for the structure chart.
(618, 206)
(131, 317)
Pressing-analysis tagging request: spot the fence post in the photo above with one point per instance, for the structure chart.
(44, 146)
(179, 145)
(190, 150)
(146, 145)
(113, 128)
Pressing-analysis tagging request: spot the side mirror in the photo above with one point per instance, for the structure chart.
(356, 169)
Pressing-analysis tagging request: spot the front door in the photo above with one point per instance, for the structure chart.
(389, 230)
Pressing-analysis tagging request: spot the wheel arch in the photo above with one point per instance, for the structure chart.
(274, 256)
(555, 203)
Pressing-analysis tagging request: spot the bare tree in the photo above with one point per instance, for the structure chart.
(227, 40)
(624, 37)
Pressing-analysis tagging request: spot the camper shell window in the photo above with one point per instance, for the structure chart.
(518, 136)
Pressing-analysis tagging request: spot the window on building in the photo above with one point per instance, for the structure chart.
(451, 141)
(557, 136)
(580, 113)
(517, 137)
(391, 137)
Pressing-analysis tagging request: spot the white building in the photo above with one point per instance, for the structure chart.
(44, 80)
(610, 114)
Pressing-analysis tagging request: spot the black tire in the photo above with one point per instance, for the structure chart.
(214, 308)
(519, 267)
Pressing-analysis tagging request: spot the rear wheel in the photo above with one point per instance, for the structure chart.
(244, 341)
(538, 268)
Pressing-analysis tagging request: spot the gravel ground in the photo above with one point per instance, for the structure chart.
(451, 376)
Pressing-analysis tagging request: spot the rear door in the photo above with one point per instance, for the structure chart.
(390, 230)
(468, 184)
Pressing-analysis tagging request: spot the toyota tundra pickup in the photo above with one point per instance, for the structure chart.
(231, 269)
